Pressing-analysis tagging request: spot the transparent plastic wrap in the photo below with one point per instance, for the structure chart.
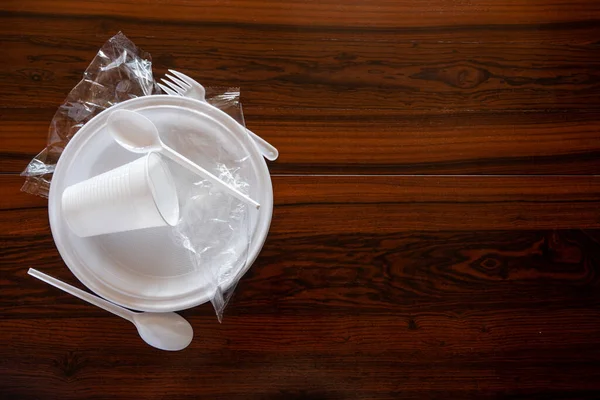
(120, 71)
(214, 228)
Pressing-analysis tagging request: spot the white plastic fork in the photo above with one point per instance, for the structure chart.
(183, 85)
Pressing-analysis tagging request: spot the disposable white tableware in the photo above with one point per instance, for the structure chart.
(140, 194)
(161, 275)
(165, 331)
(138, 134)
(185, 86)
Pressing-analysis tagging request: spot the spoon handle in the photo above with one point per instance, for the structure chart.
(85, 296)
(187, 163)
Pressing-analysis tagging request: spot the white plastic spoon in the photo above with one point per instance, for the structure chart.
(138, 134)
(165, 331)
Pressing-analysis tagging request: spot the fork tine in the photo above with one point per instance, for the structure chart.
(168, 90)
(183, 77)
(173, 86)
(178, 81)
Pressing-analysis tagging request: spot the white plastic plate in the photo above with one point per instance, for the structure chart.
(144, 269)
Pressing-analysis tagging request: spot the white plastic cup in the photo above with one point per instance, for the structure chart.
(137, 195)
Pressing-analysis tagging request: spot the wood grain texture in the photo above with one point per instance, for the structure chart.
(332, 313)
(325, 142)
(371, 204)
(322, 358)
(436, 230)
(361, 250)
(378, 13)
(323, 68)
(380, 273)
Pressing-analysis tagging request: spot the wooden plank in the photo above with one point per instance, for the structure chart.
(343, 274)
(377, 243)
(88, 34)
(378, 204)
(379, 13)
(337, 357)
(324, 142)
(396, 70)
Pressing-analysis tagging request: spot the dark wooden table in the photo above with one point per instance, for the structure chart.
(436, 232)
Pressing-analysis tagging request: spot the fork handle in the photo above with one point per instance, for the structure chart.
(269, 151)
(198, 92)
(266, 148)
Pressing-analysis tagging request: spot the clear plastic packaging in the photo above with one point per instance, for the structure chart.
(120, 71)
(214, 227)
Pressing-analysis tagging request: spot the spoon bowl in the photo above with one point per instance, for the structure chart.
(134, 132)
(165, 331)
